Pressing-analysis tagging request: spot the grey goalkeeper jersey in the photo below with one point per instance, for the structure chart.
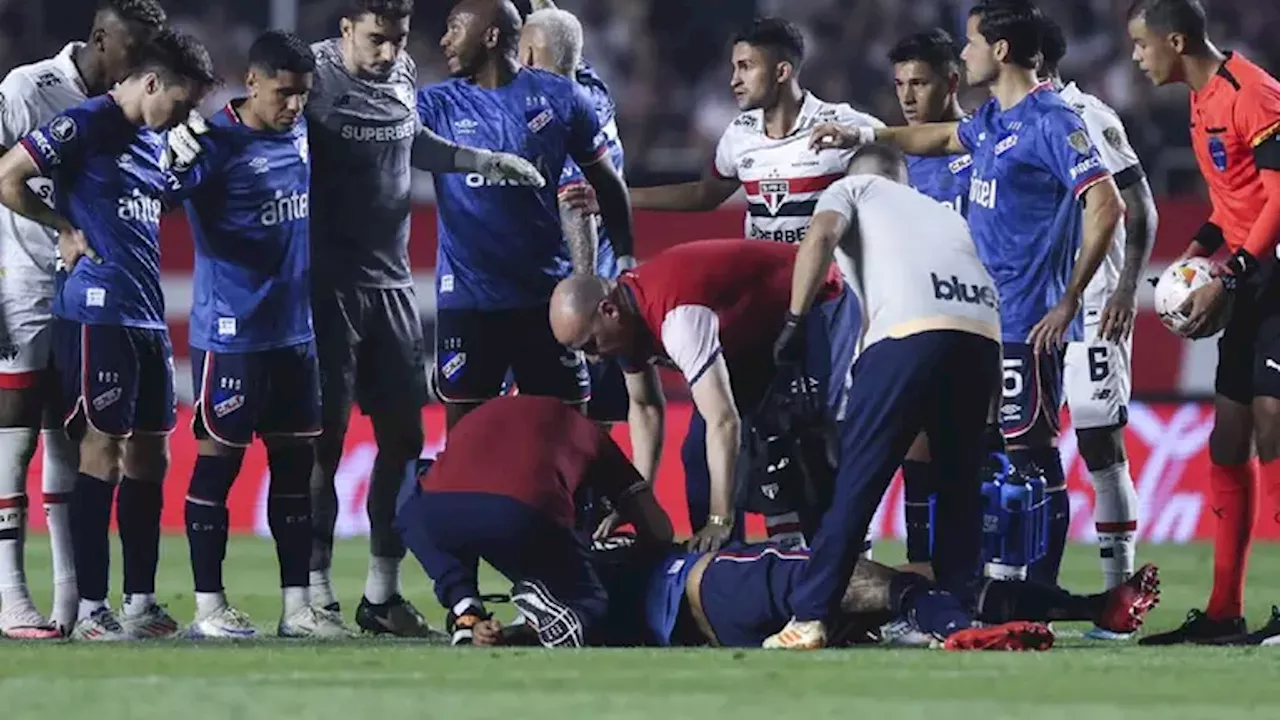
(361, 135)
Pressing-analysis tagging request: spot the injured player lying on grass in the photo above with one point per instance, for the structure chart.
(737, 597)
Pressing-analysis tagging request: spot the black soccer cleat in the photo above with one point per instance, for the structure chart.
(396, 616)
(557, 624)
(1198, 628)
(1268, 634)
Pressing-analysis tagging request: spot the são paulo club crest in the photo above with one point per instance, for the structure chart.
(774, 193)
(1218, 152)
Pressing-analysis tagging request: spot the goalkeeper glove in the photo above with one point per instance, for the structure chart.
(182, 144)
(505, 167)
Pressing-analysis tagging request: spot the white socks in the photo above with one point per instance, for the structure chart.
(294, 599)
(383, 580)
(207, 603)
(61, 465)
(322, 589)
(17, 445)
(138, 603)
(1115, 516)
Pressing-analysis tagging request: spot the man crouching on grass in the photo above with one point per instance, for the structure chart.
(504, 491)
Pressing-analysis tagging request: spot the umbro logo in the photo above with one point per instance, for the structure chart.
(342, 101)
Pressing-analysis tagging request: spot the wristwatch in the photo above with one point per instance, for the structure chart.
(720, 520)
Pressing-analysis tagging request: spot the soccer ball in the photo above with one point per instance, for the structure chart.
(1177, 282)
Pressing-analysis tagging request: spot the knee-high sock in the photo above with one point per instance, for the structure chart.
(1234, 490)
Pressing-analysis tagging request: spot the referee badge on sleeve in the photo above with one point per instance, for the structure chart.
(1113, 138)
(1079, 141)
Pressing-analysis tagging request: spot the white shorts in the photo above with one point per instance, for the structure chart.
(26, 335)
(1097, 378)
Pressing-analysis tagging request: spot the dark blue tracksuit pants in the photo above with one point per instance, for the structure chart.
(937, 381)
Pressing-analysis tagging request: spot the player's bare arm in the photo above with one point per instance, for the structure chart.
(713, 397)
(1201, 306)
(642, 509)
(813, 259)
(16, 168)
(1103, 211)
(580, 234)
(707, 193)
(615, 203)
(1140, 221)
(927, 139)
(646, 419)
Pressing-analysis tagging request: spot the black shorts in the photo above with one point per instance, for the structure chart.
(270, 393)
(1249, 349)
(1031, 398)
(118, 380)
(370, 346)
(476, 348)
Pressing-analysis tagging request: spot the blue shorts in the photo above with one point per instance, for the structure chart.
(451, 532)
(746, 592)
(476, 348)
(269, 393)
(118, 380)
(1031, 398)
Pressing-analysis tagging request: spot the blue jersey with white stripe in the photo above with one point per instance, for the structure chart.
(108, 183)
(1031, 164)
(606, 111)
(944, 178)
(665, 593)
(249, 210)
(501, 246)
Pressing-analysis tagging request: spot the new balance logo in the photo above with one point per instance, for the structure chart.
(952, 290)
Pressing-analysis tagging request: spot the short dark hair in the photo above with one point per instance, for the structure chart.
(934, 48)
(1186, 17)
(146, 14)
(781, 37)
(390, 9)
(176, 57)
(884, 155)
(277, 50)
(1017, 22)
(1053, 45)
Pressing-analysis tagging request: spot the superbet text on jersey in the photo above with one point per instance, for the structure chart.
(782, 177)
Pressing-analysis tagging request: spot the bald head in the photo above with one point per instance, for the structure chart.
(573, 307)
(880, 159)
(500, 15)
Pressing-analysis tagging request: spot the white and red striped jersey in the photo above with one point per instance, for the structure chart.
(782, 177)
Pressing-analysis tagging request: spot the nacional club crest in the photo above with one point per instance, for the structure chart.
(774, 193)
(1079, 141)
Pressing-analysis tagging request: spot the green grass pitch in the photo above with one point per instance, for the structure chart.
(394, 679)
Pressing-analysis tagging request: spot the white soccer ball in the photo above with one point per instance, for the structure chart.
(1177, 282)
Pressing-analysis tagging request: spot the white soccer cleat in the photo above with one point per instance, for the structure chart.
(24, 622)
(798, 635)
(901, 633)
(315, 623)
(1097, 633)
(101, 626)
(152, 624)
(225, 623)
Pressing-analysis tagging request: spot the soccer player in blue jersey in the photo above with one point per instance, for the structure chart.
(502, 249)
(366, 140)
(1039, 193)
(926, 79)
(111, 346)
(253, 352)
(552, 40)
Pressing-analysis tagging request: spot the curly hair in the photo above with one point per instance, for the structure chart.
(145, 13)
